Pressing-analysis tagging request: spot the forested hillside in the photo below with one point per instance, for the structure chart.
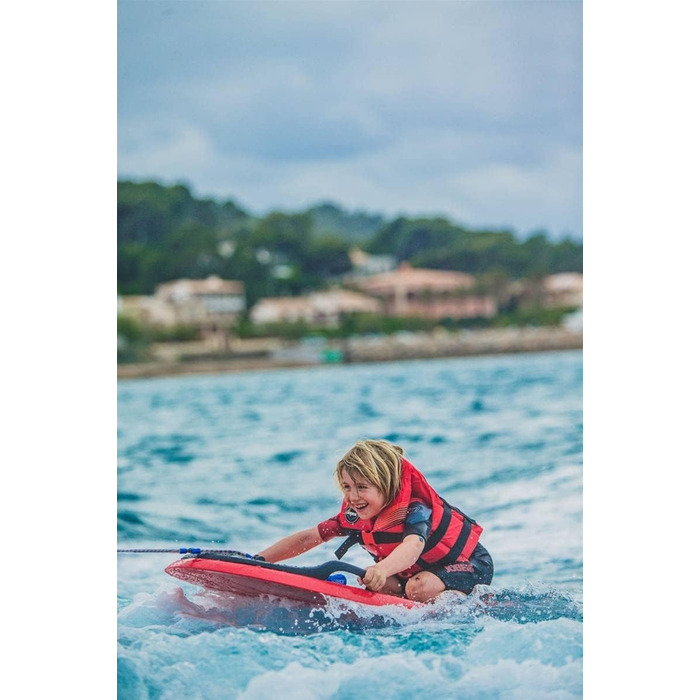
(164, 233)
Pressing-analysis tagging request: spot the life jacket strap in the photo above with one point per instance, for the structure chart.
(353, 539)
(465, 543)
(441, 529)
(368, 539)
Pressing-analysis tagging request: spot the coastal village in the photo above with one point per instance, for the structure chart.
(376, 285)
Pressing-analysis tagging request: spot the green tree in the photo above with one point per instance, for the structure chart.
(133, 341)
(164, 232)
(326, 256)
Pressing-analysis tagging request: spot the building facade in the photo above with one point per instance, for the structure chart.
(435, 294)
(319, 308)
(211, 304)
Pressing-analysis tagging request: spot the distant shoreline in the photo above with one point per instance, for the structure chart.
(365, 350)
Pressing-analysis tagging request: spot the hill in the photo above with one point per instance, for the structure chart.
(164, 233)
(355, 227)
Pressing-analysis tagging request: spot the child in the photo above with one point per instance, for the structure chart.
(422, 546)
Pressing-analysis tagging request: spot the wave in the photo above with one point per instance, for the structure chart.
(210, 610)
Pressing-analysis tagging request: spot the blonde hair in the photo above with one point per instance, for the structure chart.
(377, 461)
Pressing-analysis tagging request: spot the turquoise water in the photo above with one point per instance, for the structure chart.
(239, 460)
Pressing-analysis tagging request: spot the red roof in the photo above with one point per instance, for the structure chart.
(415, 279)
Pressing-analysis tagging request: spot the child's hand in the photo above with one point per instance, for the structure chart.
(375, 578)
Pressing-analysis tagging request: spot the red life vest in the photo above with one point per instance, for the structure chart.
(453, 536)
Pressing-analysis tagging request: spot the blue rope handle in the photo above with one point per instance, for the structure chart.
(322, 571)
(191, 550)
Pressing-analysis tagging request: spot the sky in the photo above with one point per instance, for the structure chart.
(471, 110)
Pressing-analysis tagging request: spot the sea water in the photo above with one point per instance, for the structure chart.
(239, 460)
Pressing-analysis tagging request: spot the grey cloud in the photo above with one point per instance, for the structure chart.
(471, 87)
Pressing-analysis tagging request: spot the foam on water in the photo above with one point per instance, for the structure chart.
(237, 461)
(497, 642)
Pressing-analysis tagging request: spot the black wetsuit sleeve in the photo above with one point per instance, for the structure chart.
(418, 521)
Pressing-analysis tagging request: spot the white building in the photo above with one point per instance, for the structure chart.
(563, 289)
(364, 264)
(199, 302)
(319, 308)
(210, 304)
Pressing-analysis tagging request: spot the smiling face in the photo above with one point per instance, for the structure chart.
(365, 498)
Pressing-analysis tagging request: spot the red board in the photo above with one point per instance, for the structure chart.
(254, 581)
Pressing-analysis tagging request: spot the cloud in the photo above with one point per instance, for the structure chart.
(379, 105)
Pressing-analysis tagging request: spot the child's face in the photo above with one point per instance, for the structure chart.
(365, 498)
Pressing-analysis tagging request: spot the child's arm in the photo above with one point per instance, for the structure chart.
(292, 545)
(405, 555)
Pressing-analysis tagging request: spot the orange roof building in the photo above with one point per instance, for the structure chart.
(409, 291)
